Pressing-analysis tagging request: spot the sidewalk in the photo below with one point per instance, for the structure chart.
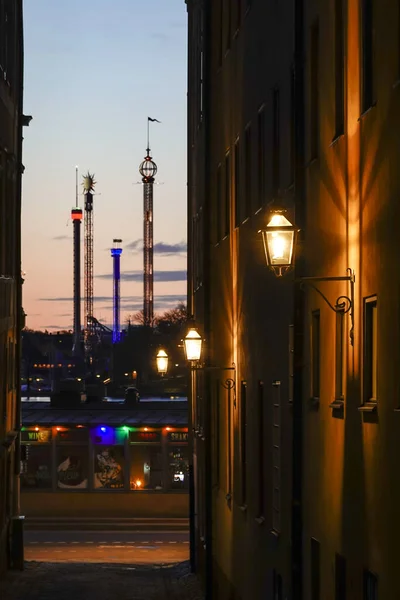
(77, 581)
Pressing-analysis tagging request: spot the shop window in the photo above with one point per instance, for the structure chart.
(72, 467)
(109, 465)
(146, 469)
(370, 586)
(178, 467)
(36, 467)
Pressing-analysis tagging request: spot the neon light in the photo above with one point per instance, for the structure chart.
(103, 429)
(126, 429)
(36, 428)
(146, 428)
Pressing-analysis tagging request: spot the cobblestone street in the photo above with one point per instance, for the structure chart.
(65, 581)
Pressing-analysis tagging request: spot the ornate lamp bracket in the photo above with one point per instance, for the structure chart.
(343, 304)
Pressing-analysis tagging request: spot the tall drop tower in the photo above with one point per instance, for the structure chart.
(148, 170)
(116, 252)
(88, 189)
(76, 216)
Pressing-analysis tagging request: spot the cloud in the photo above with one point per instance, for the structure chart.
(135, 246)
(60, 238)
(64, 299)
(57, 327)
(170, 249)
(138, 276)
(159, 248)
(125, 300)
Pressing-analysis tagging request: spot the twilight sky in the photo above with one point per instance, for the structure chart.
(94, 71)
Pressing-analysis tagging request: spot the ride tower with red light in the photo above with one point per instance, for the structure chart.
(76, 216)
(116, 252)
(148, 170)
(88, 189)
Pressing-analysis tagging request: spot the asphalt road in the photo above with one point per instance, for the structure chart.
(107, 546)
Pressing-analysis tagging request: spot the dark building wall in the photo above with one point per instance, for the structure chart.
(245, 138)
(351, 483)
(11, 50)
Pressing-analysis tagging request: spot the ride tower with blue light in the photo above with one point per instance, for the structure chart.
(116, 252)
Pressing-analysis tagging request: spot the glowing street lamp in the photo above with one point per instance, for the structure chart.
(279, 242)
(192, 344)
(162, 361)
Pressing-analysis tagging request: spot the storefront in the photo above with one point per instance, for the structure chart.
(96, 457)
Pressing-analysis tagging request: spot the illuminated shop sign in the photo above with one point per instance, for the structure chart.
(178, 436)
(145, 436)
(43, 436)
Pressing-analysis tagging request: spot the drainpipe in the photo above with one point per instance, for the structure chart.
(299, 312)
(207, 298)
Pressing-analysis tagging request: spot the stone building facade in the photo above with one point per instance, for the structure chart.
(11, 316)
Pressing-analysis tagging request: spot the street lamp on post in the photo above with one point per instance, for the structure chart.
(162, 362)
(279, 238)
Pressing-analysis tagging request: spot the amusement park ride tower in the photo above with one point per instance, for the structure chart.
(88, 189)
(116, 252)
(76, 216)
(148, 170)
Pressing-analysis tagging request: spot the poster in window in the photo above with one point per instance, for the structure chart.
(72, 468)
(109, 465)
(36, 467)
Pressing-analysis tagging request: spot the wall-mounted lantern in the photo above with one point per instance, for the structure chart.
(193, 344)
(279, 239)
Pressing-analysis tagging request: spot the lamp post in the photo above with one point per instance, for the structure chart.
(162, 362)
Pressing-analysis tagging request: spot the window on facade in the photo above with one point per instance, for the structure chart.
(314, 90)
(178, 467)
(229, 442)
(261, 460)
(72, 467)
(221, 32)
(315, 570)
(291, 363)
(238, 8)
(370, 349)
(339, 351)
(218, 206)
(292, 124)
(237, 183)
(228, 23)
(276, 149)
(146, 468)
(339, 67)
(109, 467)
(340, 577)
(248, 179)
(261, 156)
(315, 354)
(277, 586)
(370, 591)
(276, 456)
(227, 194)
(216, 436)
(243, 440)
(367, 54)
(36, 467)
